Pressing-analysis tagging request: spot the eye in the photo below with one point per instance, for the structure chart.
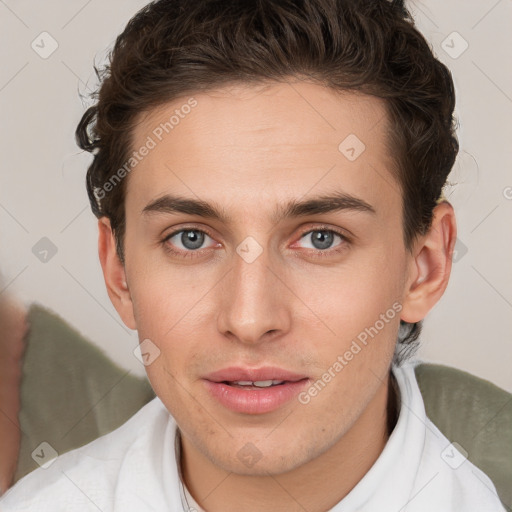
(188, 239)
(322, 239)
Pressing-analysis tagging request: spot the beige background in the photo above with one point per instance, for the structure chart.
(42, 192)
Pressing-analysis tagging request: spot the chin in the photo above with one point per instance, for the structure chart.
(255, 458)
(263, 467)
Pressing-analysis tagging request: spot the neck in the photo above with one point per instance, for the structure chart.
(315, 486)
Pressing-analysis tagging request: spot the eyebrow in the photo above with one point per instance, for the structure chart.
(338, 201)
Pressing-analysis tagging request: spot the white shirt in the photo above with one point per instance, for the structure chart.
(134, 469)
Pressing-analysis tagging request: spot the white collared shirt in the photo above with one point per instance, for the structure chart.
(134, 469)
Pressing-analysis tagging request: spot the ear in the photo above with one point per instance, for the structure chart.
(114, 273)
(431, 266)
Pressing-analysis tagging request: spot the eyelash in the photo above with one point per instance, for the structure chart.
(180, 253)
(318, 253)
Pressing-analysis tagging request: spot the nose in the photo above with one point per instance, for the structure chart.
(255, 305)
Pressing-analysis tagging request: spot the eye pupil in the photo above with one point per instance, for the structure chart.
(192, 239)
(322, 239)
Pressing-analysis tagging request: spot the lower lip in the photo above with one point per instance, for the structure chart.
(255, 401)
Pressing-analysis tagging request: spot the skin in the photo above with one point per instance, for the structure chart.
(249, 150)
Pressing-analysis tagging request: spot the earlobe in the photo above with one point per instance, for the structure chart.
(114, 273)
(430, 269)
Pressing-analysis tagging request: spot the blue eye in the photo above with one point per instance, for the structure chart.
(192, 242)
(190, 239)
(322, 239)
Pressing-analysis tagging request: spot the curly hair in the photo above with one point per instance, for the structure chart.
(171, 48)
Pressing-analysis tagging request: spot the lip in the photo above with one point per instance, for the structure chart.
(254, 401)
(234, 373)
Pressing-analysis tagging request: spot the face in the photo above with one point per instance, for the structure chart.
(264, 242)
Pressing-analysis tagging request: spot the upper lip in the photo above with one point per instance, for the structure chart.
(233, 374)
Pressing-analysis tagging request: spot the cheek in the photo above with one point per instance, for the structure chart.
(360, 314)
(163, 312)
(161, 294)
(341, 302)
(171, 310)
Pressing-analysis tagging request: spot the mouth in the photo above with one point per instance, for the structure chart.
(259, 384)
(254, 391)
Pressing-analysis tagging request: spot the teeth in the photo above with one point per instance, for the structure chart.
(258, 383)
(263, 383)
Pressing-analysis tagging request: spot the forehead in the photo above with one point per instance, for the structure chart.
(251, 143)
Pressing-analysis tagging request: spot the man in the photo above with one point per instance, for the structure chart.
(267, 178)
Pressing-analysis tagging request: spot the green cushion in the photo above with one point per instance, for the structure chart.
(475, 414)
(72, 393)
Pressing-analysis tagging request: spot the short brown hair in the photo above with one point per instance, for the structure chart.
(171, 48)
